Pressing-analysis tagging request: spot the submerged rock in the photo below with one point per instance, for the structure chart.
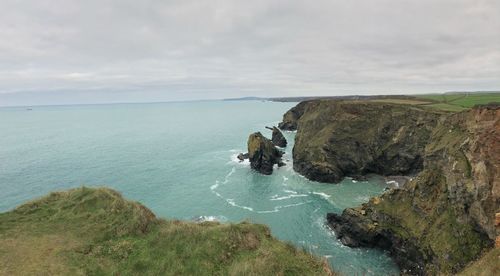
(242, 156)
(277, 137)
(263, 154)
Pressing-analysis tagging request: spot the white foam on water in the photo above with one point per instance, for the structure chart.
(277, 208)
(226, 179)
(323, 195)
(285, 178)
(211, 218)
(290, 192)
(235, 160)
(213, 187)
(266, 212)
(287, 197)
(232, 203)
(393, 182)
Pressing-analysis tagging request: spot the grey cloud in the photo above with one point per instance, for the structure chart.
(169, 50)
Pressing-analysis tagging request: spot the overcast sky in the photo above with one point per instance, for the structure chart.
(146, 50)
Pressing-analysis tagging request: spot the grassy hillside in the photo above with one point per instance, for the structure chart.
(88, 231)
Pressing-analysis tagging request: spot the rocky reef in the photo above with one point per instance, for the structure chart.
(263, 154)
(277, 137)
(344, 138)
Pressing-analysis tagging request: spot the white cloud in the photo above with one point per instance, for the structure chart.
(184, 49)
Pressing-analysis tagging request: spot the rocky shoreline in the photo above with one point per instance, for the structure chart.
(440, 213)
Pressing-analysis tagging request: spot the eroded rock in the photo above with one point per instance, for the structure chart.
(278, 138)
(444, 218)
(263, 154)
(336, 139)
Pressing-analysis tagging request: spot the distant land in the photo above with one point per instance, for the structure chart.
(448, 101)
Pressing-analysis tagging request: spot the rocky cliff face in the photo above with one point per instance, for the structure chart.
(277, 137)
(445, 217)
(344, 138)
(293, 115)
(263, 154)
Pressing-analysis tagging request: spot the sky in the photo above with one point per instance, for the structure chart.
(97, 51)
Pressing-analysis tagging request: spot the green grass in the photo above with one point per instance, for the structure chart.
(96, 232)
(471, 99)
(460, 101)
(489, 264)
(447, 107)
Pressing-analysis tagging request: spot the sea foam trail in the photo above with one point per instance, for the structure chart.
(232, 203)
(277, 208)
(323, 195)
(226, 180)
(276, 197)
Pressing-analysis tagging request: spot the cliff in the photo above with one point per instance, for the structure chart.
(346, 138)
(96, 232)
(277, 137)
(444, 217)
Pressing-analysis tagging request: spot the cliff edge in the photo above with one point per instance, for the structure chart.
(88, 231)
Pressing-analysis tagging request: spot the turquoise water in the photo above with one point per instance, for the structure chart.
(179, 159)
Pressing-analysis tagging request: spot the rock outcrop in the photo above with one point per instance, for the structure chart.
(344, 138)
(242, 156)
(277, 138)
(443, 218)
(263, 154)
(293, 115)
(497, 226)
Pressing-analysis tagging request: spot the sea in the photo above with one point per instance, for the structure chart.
(180, 160)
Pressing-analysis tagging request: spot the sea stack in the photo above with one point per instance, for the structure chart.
(263, 154)
(277, 137)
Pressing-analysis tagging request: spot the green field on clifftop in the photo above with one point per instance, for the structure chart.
(88, 231)
(460, 101)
